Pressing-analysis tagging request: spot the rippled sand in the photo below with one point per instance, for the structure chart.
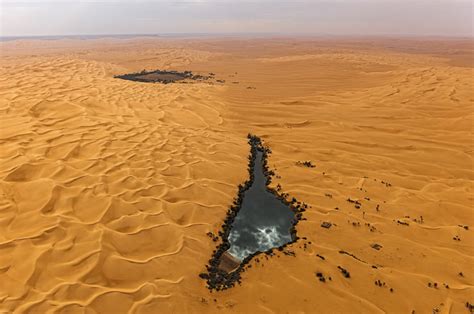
(108, 187)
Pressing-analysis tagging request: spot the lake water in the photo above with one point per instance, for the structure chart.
(263, 221)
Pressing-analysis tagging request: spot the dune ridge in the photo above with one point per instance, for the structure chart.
(108, 187)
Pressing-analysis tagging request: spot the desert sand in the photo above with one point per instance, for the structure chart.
(108, 187)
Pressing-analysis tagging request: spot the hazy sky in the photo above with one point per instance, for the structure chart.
(339, 17)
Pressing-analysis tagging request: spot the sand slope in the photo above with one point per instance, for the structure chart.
(108, 187)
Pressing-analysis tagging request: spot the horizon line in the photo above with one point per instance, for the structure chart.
(231, 34)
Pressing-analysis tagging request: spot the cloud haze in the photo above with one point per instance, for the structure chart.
(336, 17)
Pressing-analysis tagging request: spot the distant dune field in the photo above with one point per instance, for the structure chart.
(108, 187)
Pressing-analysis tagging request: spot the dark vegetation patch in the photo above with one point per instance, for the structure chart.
(376, 246)
(307, 163)
(321, 277)
(320, 256)
(344, 272)
(326, 224)
(352, 255)
(164, 76)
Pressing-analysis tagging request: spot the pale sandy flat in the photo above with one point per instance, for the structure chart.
(108, 187)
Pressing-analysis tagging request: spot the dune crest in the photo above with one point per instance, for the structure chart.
(108, 187)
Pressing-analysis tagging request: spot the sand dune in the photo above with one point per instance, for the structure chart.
(108, 187)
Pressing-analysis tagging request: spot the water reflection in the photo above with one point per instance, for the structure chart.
(263, 221)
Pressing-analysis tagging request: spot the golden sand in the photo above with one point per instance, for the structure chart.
(108, 187)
